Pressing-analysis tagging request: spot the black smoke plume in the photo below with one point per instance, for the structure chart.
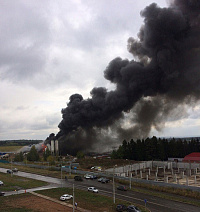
(151, 89)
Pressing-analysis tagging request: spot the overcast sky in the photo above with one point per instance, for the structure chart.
(52, 49)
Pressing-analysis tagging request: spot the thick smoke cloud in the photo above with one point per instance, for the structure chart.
(163, 76)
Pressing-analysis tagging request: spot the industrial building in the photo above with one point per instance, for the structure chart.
(53, 147)
(192, 157)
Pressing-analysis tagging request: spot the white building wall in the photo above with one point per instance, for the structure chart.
(52, 147)
(56, 147)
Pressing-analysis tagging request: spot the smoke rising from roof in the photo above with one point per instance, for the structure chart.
(25, 149)
(163, 77)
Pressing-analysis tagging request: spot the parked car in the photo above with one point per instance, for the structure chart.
(9, 171)
(105, 180)
(15, 170)
(2, 193)
(1, 183)
(122, 188)
(88, 176)
(93, 189)
(100, 179)
(132, 208)
(92, 177)
(66, 197)
(78, 178)
(121, 207)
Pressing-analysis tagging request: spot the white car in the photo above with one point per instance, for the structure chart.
(88, 176)
(1, 183)
(93, 189)
(66, 197)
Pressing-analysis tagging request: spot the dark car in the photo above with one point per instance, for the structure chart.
(105, 180)
(120, 207)
(78, 178)
(100, 179)
(2, 193)
(132, 208)
(122, 188)
(15, 170)
(92, 177)
(9, 171)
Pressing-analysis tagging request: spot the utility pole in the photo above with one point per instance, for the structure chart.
(73, 197)
(48, 168)
(70, 168)
(11, 168)
(113, 186)
(61, 173)
(26, 160)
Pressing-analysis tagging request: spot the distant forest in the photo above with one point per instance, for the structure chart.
(18, 142)
(156, 149)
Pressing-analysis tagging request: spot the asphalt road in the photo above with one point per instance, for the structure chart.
(155, 204)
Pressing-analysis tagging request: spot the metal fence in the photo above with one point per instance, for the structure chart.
(109, 174)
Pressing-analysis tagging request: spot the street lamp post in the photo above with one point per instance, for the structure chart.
(11, 168)
(130, 175)
(113, 186)
(70, 168)
(61, 173)
(73, 197)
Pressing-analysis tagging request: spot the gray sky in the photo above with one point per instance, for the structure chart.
(52, 49)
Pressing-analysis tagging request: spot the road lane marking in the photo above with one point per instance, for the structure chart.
(130, 197)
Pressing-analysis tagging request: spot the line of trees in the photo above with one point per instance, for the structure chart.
(155, 149)
(19, 142)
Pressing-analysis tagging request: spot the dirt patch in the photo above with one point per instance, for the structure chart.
(37, 204)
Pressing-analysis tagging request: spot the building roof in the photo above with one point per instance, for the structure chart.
(195, 156)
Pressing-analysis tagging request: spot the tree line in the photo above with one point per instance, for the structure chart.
(156, 149)
(18, 142)
(33, 155)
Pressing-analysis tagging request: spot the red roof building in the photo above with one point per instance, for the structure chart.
(192, 157)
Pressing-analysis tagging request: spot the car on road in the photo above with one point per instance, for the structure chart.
(2, 193)
(66, 197)
(122, 188)
(132, 208)
(93, 189)
(15, 170)
(105, 180)
(9, 171)
(92, 177)
(88, 176)
(100, 179)
(78, 178)
(1, 183)
(121, 207)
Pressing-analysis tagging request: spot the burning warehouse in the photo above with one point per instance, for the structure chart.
(53, 147)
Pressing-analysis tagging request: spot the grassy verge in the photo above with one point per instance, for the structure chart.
(12, 183)
(87, 200)
(6, 206)
(170, 193)
(45, 172)
(9, 148)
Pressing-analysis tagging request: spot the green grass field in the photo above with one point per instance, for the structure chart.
(88, 200)
(12, 183)
(10, 148)
(5, 205)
